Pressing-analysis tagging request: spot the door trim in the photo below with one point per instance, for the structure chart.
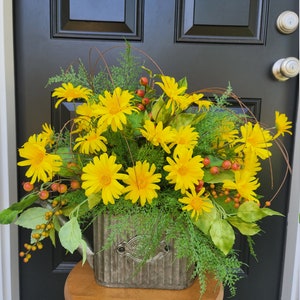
(9, 273)
(8, 183)
(291, 268)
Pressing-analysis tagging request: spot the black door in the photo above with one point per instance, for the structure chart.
(213, 42)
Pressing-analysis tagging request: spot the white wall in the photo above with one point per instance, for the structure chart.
(9, 277)
(291, 270)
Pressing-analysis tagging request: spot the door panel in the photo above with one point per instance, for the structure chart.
(241, 21)
(92, 19)
(212, 42)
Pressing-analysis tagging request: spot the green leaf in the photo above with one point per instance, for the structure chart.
(251, 212)
(93, 200)
(70, 235)
(244, 227)
(182, 119)
(222, 235)
(159, 111)
(270, 212)
(24, 202)
(32, 217)
(136, 120)
(7, 216)
(52, 237)
(183, 83)
(56, 223)
(83, 248)
(216, 178)
(205, 221)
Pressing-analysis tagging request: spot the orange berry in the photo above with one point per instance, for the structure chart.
(235, 166)
(54, 186)
(214, 170)
(268, 203)
(27, 186)
(44, 195)
(62, 188)
(75, 184)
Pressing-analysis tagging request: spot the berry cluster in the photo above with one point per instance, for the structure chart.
(217, 191)
(141, 93)
(53, 194)
(226, 165)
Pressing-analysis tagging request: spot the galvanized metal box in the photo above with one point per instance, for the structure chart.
(120, 266)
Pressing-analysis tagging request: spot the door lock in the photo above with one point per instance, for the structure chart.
(286, 68)
(287, 22)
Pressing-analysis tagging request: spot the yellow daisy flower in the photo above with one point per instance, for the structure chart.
(184, 170)
(92, 142)
(69, 93)
(42, 165)
(157, 135)
(251, 163)
(47, 134)
(197, 99)
(255, 139)
(115, 107)
(141, 183)
(101, 175)
(86, 110)
(228, 133)
(175, 94)
(282, 124)
(245, 184)
(185, 137)
(196, 202)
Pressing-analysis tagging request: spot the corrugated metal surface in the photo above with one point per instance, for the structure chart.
(120, 266)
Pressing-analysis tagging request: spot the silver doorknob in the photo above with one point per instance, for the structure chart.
(286, 68)
(287, 22)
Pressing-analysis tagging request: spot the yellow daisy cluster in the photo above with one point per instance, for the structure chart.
(110, 131)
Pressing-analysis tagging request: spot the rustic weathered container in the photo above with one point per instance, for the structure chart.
(120, 266)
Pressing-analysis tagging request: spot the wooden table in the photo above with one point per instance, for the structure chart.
(81, 285)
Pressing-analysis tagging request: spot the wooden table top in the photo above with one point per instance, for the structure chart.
(81, 285)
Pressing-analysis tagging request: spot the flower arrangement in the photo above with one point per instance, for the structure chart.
(141, 145)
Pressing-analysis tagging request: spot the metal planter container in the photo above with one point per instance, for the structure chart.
(120, 266)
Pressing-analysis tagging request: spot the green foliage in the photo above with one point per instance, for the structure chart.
(196, 245)
(8, 215)
(127, 74)
(152, 155)
(210, 129)
(124, 75)
(32, 217)
(251, 212)
(251, 246)
(70, 235)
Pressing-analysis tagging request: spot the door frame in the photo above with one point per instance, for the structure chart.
(291, 267)
(9, 272)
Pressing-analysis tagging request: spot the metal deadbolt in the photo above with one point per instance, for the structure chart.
(287, 22)
(286, 68)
